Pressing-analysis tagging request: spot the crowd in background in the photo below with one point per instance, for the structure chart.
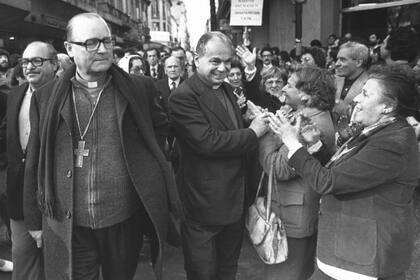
(328, 85)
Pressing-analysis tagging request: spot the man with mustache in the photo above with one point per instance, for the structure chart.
(96, 178)
(39, 64)
(212, 175)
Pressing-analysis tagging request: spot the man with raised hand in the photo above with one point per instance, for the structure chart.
(214, 146)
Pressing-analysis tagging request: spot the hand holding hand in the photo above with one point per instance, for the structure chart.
(260, 124)
(37, 236)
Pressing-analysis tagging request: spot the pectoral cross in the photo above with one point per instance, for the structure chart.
(80, 152)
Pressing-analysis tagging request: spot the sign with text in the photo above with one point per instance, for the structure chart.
(246, 12)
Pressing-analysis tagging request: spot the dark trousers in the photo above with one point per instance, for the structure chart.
(115, 249)
(319, 275)
(211, 252)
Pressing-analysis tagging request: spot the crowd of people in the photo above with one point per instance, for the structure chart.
(106, 146)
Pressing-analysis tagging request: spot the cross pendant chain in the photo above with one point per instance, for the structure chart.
(80, 152)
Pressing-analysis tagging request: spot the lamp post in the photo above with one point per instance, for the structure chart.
(298, 25)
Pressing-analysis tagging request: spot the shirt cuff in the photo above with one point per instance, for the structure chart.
(315, 147)
(293, 150)
(250, 73)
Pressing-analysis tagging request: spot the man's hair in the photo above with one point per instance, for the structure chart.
(214, 35)
(266, 49)
(316, 43)
(172, 57)
(402, 44)
(4, 52)
(70, 25)
(358, 51)
(52, 52)
(119, 52)
(174, 49)
(152, 49)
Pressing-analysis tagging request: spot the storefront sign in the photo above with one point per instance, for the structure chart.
(246, 12)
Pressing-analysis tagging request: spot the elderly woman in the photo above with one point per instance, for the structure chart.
(132, 64)
(309, 91)
(365, 226)
(271, 84)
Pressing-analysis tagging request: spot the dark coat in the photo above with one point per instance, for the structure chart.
(160, 72)
(3, 109)
(212, 173)
(164, 90)
(366, 217)
(15, 155)
(146, 164)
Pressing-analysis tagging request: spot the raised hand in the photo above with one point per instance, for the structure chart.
(247, 57)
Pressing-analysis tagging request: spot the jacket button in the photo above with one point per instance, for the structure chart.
(68, 214)
(69, 173)
(23, 160)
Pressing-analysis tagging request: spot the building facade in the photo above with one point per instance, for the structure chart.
(23, 21)
(320, 18)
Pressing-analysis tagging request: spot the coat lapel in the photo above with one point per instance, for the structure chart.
(339, 82)
(356, 87)
(210, 100)
(15, 104)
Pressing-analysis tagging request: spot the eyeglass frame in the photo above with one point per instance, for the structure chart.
(85, 44)
(23, 60)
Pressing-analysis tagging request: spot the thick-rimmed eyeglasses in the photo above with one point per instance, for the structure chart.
(35, 61)
(93, 44)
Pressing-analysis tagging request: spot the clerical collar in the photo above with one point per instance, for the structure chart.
(91, 85)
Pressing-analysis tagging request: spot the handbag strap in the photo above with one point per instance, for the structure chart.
(259, 185)
(269, 191)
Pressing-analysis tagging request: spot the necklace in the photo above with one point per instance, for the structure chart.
(81, 152)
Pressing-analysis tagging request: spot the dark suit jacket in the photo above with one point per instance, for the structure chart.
(211, 176)
(160, 72)
(164, 90)
(3, 108)
(146, 164)
(15, 155)
(366, 217)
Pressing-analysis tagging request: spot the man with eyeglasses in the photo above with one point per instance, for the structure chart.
(39, 64)
(94, 165)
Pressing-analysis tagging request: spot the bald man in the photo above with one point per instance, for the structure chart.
(102, 180)
(39, 64)
(172, 79)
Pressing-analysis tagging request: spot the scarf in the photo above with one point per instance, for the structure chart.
(60, 92)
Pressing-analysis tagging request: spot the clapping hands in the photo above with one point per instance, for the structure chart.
(303, 132)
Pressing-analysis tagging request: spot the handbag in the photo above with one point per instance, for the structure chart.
(265, 228)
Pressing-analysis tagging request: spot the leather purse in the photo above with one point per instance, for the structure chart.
(265, 228)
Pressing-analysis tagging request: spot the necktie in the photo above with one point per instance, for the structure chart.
(173, 86)
(154, 73)
(24, 124)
